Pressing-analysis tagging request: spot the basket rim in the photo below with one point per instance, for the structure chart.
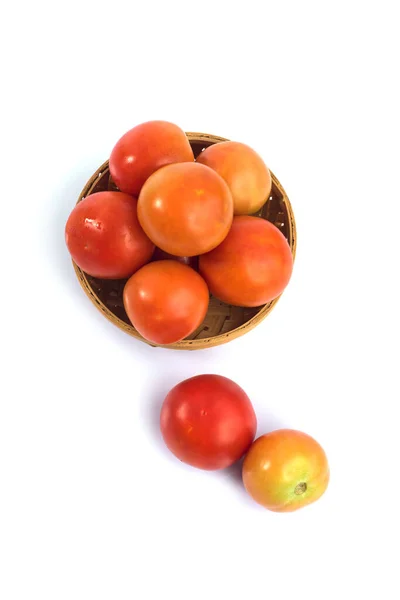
(195, 344)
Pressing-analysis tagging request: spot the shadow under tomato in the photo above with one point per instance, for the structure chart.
(153, 406)
(234, 473)
(231, 479)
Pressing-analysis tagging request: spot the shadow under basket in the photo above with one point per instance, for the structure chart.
(223, 322)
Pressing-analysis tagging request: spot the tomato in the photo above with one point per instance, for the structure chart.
(285, 470)
(191, 261)
(208, 421)
(185, 209)
(166, 301)
(104, 237)
(244, 171)
(143, 150)
(252, 266)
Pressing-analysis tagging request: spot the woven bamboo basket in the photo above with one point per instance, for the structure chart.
(223, 322)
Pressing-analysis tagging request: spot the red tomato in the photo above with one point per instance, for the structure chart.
(143, 150)
(166, 301)
(208, 422)
(186, 209)
(252, 266)
(244, 171)
(285, 470)
(104, 237)
(191, 261)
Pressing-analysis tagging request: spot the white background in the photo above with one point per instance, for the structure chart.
(92, 506)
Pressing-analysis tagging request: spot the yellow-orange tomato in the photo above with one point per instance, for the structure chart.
(166, 301)
(244, 171)
(144, 149)
(186, 209)
(285, 470)
(252, 266)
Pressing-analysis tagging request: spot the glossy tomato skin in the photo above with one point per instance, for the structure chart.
(166, 301)
(104, 237)
(245, 172)
(285, 470)
(191, 261)
(252, 266)
(143, 150)
(185, 209)
(208, 422)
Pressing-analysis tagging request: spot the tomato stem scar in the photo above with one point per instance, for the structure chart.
(300, 488)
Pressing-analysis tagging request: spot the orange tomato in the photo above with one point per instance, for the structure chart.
(166, 301)
(252, 266)
(186, 209)
(285, 470)
(244, 171)
(143, 150)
